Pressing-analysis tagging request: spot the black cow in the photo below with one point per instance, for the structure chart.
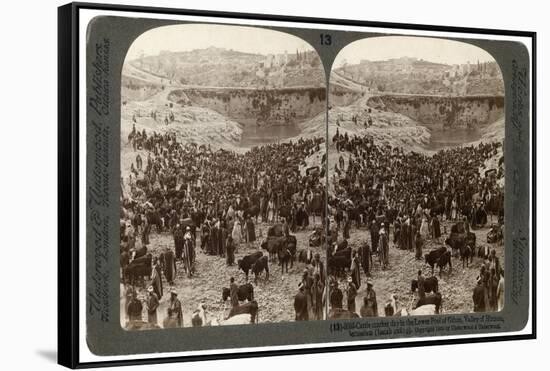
(138, 269)
(443, 261)
(345, 252)
(457, 242)
(273, 245)
(252, 212)
(354, 215)
(275, 231)
(458, 227)
(143, 259)
(342, 245)
(154, 218)
(291, 245)
(259, 266)
(248, 261)
(141, 252)
(247, 308)
(338, 264)
(471, 240)
(431, 299)
(433, 256)
(245, 292)
(430, 285)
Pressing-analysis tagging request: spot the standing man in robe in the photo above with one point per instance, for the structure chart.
(178, 241)
(174, 308)
(383, 250)
(169, 265)
(223, 238)
(128, 295)
(233, 292)
(479, 296)
(418, 248)
(318, 266)
(500, 292)
(188, 253)
(355, 271)
(229, 251)
(374, 235)
(236, 234)
(307, 282)
(134, 308)
(336, 295)
(156, 279)
(214, 237)
(492, 288)
(152, 304)
(366, 258)
(300, 304)
(436, 228)
(318, 291)
(421, 284)
(404, 233)
(370, 305)
(250, 230)
(352, 293)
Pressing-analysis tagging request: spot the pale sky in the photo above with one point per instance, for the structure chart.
(429, 49)
(187, 37)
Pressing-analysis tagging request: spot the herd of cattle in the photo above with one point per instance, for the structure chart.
(281, 248)
(137, 269)
(460, 243)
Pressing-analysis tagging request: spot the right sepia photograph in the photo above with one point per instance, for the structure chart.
(415, 179)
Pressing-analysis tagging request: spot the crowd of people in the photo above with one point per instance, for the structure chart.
(213, 199)
(384, 189)
(386, 183)
(189, 181)
(309, 302)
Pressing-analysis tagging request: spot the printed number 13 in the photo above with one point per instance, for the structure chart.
(326, 39)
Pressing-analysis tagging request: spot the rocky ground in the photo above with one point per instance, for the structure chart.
(191, 123)
(388, 128)
(456, 288)
(275, 296)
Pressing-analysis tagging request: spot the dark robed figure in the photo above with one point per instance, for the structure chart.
(168, 262)
(300, 304)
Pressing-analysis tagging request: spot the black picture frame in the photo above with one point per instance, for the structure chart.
(68, 183)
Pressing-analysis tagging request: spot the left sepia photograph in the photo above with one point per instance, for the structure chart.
(223, 191)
